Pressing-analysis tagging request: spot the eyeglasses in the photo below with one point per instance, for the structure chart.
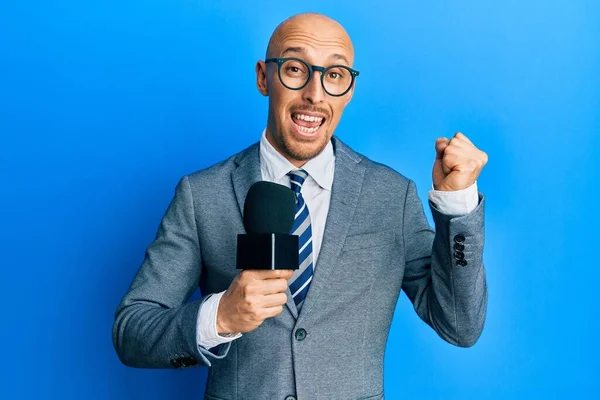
(295, 73)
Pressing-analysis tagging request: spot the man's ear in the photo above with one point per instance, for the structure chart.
(261, 78)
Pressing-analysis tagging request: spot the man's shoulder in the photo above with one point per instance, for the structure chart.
(374, 171)
(222, 169)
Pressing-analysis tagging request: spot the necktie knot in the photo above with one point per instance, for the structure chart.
(297, 178)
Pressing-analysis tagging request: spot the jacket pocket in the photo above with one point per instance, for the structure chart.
(366, 240)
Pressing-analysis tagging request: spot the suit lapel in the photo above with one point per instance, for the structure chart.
(347, 183)
(246, 174)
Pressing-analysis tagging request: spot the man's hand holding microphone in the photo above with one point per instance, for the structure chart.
(267, 255)
(252, 297)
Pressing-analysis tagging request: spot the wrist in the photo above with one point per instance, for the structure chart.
(221, 325)
(445, 188)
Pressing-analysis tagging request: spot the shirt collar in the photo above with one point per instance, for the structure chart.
(275, 166)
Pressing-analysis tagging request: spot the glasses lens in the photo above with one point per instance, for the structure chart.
(337, 80)
(294, 74)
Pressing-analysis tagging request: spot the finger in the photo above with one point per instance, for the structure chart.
(440, 145)
(460, 142)
(275, 273)
(463, 150)
(461, 136)
(272, 311)
(273, 300)
(271, 286)
(450, 161)
(453, 162)
(457, 142)
(282, 274)
(484, 157)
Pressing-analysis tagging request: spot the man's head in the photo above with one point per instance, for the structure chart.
(319, 41)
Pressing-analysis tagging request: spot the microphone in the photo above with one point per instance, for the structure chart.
(269, 213)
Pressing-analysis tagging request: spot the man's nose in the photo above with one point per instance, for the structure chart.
(313, 91)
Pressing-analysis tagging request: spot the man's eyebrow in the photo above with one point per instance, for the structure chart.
(339, 57)
(294, 50)
(300, 50)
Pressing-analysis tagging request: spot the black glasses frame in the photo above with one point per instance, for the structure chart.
(311, 68)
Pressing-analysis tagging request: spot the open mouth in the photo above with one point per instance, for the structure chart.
(307, 124)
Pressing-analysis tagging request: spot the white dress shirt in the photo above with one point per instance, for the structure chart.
(316, 191)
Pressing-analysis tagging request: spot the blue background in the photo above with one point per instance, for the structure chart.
(104, 105)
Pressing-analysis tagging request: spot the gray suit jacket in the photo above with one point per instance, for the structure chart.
(376, 242)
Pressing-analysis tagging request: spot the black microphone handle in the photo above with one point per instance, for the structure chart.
(267, 251)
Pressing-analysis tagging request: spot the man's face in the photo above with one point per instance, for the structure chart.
(301, 122)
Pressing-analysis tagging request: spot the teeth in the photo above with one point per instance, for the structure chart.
(307, 130)
(308, 118)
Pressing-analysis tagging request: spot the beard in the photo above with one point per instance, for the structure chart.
(301, 150)
(297, 148)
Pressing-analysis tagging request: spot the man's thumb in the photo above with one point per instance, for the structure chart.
(440, 145)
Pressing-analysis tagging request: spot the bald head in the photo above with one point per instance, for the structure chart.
(312, 30)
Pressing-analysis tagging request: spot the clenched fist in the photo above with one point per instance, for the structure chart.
(252, 297)
(457, 163)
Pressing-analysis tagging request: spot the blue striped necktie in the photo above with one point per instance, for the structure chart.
(300, 281)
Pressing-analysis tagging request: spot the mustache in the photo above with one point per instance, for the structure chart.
(310, 109)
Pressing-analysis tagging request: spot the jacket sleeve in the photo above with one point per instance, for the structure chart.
(155, 325)
(444, 275)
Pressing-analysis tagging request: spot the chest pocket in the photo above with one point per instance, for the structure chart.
(363, 257)
(368, 240)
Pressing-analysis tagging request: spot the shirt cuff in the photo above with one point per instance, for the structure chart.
(206, 331)
(455, 202)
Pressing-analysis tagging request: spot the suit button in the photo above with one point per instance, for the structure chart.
(460, 238)
(462, 263)
(459, 246)
(300, 334)
(459, 255)
(188, 362)
(290, 398)
(176, 362)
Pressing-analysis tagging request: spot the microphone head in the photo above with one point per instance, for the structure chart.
(269, 208)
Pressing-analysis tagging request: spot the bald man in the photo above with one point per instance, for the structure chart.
(318, 332)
